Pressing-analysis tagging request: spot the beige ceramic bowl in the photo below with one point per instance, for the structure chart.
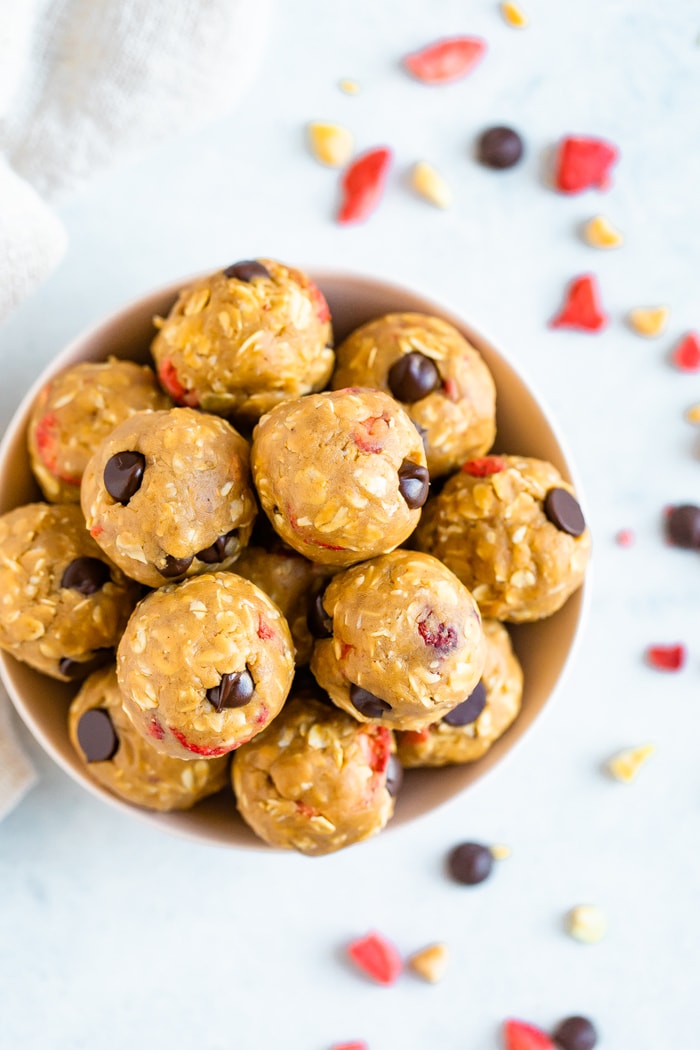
(543, 648)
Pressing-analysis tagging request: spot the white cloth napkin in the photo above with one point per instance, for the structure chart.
(84, 84)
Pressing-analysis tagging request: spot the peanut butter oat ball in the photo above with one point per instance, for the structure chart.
(468, 731)
(126, 763)
(204, 665)
(341, 475)
(404, 641)
(168, 495)
(316, 780)
(511, 529)
(75, 411)
(63, 603)
(439, 378)
(240, 340)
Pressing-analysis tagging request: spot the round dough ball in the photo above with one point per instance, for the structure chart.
(241, 340)
(341, 475)
(315, 780)
(405, 642)
(126, 763)
(75, 411)
(468, 731)
(439, 378)
(204, 665)
(168, 495)
(64, 604)
(511, 529)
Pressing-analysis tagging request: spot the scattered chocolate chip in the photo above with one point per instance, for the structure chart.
(470, 863)
(174, 566)
(367, 703)
(246, 270)
(219, 549)
(683, 526)
(318, 621)
(414, 483)
(75, 669)
(412, 377)
(86, 575)
(234, 690)
(96, 735)
(499, 147)
(123, 475)
(575, 1033)
(394, 776)
(564, 511)
(469, 710)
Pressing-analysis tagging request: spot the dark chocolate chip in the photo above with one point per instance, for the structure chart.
(218, 550)
(499, 147)
(96, 735)
(75, 669)
(414, 483)
(394, 776)
(86, 575)
(575, 1033)
(367, 703)
(318, 621)
(246, 270)
(470, 863)
(234, 690)
(683, 526)
(123, 475)
(469, 710)
(564, 511)
(412, 377)
(174, 566)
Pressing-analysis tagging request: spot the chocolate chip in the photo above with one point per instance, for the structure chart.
(683, 526)
(499, 147)
(367, 703)
(96, 735)
(86, 575)
(564, 511)
(218, 550)
(174, 566)
(75, 669)
(123, 475)
(246, 270)
(412, 377)
(576, 1033)
(469, 710)
(414, 483)
(318, 621)
(234, 690)
(394, 776)
(470, 863)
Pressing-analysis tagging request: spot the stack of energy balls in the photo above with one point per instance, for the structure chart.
(240, 553)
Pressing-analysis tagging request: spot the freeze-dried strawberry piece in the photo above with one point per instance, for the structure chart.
(362, 185)
(377, 958)
(445, 60)
(519, 1035)
(171, 384)
(358, 1044)
(581, 309)
(484, 466)
(686, 354)
(584, 162)
(666, 657)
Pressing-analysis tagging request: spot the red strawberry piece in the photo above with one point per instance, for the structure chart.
(362, 185)
(172, 385)
(519, 1035)
(582, 163)
(377, 958)
(375, 742)
(625, 538)
(445, 60)
(359, 1044)
(581, 309)
(484, 466)
(686, 354)
(370, 434)
(666, 657)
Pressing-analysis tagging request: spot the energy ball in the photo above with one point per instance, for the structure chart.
(126, 763)
(512, 530)
(240, 340)
(467, 732)
(404, 641)
(316, 780)
(341, 475)
(204, 665)
(64, 604)
(168, 495)
(439, 378)
(78, 409)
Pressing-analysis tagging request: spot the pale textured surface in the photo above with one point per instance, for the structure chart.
(268, 930)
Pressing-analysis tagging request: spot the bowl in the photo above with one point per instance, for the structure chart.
(544, 648)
